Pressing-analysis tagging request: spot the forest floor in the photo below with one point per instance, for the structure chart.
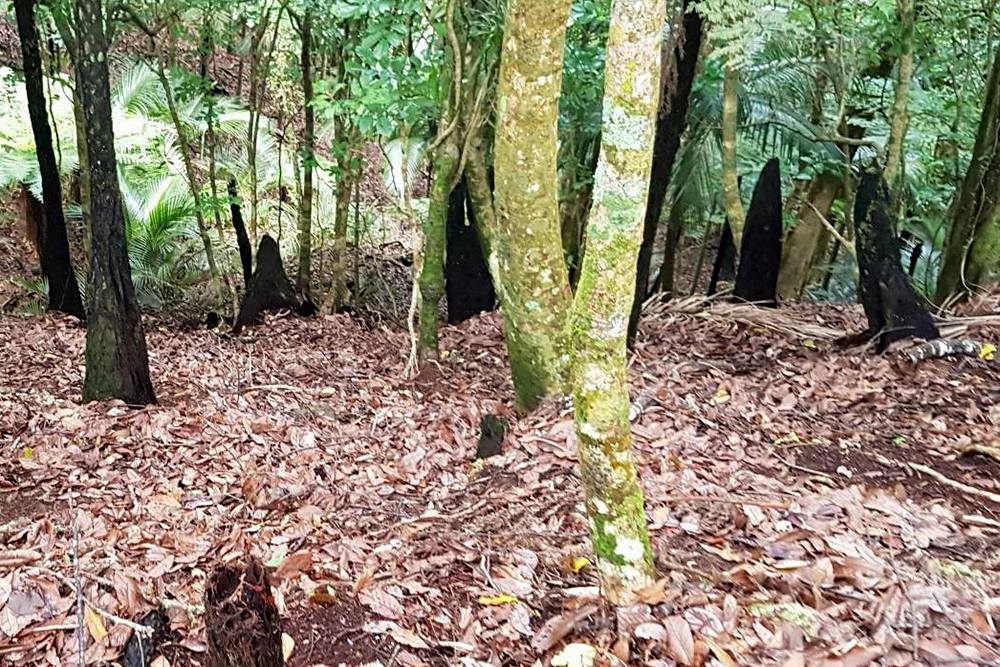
(787, 488)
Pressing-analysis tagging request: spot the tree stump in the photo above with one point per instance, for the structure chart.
(724, 267)
(241, 619)
(242, 240)
(760, 254)
(467, 279)
(492, 431)
(269, 288)
(893, 309)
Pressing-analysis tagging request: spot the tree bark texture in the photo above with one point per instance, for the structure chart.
(603, 300)
(528, 242)
(802, 247)
(117, 364)
(899, 120)
(730, 175)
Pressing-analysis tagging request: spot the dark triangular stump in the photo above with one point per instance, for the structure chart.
(893, 309)
(269, 288)
(242, 623)
(242, 240)
(467, 279)
(760, 252)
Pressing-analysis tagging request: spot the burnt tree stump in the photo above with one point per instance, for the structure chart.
(269, 288)
(760, 252)
(724, 267)
(492, 431)
(893, 309)
(242, 623)
(468, 286)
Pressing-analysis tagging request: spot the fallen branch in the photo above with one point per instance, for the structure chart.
(971, 490)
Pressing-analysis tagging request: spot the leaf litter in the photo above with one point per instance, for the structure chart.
(790, 525)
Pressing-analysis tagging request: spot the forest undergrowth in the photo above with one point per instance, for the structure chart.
(786, 481)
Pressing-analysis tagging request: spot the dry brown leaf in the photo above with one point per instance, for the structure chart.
(651, 631)
(300, 561)
(558, 627)
(381, 602)
(680, 643)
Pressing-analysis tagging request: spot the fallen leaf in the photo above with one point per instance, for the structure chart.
(300, 561)
(575, 655)
(556, 628)
(653, 631)
(159, 661)
(95, 624)
(287, 646)
(381, 602)
(497, 599)
(680, 643)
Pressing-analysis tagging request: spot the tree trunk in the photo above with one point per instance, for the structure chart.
(528, 242)
(57, 267)
(972, 253)
(675, 228)
(431, 278)
(304, 273)
(603, 299)
(242, 239)
(730, 176)
(680, 60)
(803, 245)
(117, 365)
(899, 119)
(893, 309)
(724, 267)
(192, 179)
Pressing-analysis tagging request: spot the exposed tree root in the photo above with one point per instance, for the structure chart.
(942, 347)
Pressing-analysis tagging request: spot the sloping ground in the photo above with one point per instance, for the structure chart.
(790, 525)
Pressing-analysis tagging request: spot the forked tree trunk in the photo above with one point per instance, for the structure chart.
(54, 256)
(117, 365)
(680, 61)
(528, 242)
(603, 300)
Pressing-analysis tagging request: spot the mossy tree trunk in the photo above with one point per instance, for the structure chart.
(600, 310)
(730, 177)
(304, 273)
(972, 253)
(57, 267)
(117, 365)
(528, 246)
(444, 163)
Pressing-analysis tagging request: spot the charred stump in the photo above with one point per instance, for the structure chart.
(760, 254)
(242, 623)
(242, 240)
(141, 649)
(893, 309)
(468, 286)
(269, 288)
(492, 431)
(724, 267)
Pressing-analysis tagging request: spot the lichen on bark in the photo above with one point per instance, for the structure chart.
(599, 319)
(528, 242)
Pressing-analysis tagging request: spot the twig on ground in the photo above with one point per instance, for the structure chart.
(971, 490)
(81, 641)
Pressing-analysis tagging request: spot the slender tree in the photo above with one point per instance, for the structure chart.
(899, 120)
(57, 267)
(529, 239)
(735, 213)
(304, 273)
(117, 364)
(600, 310)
